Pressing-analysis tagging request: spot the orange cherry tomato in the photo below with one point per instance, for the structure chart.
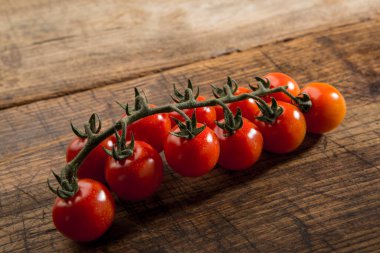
(279, 79)
(328, 107)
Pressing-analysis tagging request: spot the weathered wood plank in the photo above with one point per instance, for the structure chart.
(324, 197)
(50, 48)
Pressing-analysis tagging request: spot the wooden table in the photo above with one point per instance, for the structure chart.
(62, 60)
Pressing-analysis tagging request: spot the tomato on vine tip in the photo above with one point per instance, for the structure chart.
(328, 107)
(86, 215)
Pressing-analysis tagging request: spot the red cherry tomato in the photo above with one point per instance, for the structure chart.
(328, 107)
(205, 115)
(242, 149)
(279, 79)
(219, 112)
(138, 176)
(248, 107)
(87, 215)
(94, 164)
(286, 133)
(192, 157)
(153, 129)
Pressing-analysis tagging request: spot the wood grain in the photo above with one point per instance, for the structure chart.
(324, 197)
(50, 48)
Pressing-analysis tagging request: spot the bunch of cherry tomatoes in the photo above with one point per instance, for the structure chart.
(88, 214)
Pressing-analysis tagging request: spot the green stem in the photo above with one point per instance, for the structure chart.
(226, 109)
(180, 112)
(95, 139)
(285, 91)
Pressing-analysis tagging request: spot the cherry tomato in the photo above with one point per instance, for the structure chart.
(248, 107)
(205, 115)
(87, 215)
(279, 79)
(219, 112)
(153, 129)
(328, 107)
(192, 157)
(242, 149)
(94, 164)
(286, 133)
(138, 176)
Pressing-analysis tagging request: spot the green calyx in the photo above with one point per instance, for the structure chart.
(222, 92)
(231, 123)
(189, 128)
(68, 183)
(122, 150)
(94, 126)
(141, 102)
(269, 113)
(261, 84)
(178, 97)
(125, 107)
(303, 102)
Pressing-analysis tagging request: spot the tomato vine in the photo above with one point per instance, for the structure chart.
(67, 180)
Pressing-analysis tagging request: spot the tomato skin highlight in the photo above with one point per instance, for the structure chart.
(138, 176)
(94, 164)
(280, 79)
(328, 107)
(286, 133)
(87, 215)
(240, 150)
(248, 107)
(153, 129)
(192, 157)
(205, 115)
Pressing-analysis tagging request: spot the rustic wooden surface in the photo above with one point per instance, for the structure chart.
(324, 197)
(50, 48)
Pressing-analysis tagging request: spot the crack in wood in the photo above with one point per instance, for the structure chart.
(304, 232)
(53, 39)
